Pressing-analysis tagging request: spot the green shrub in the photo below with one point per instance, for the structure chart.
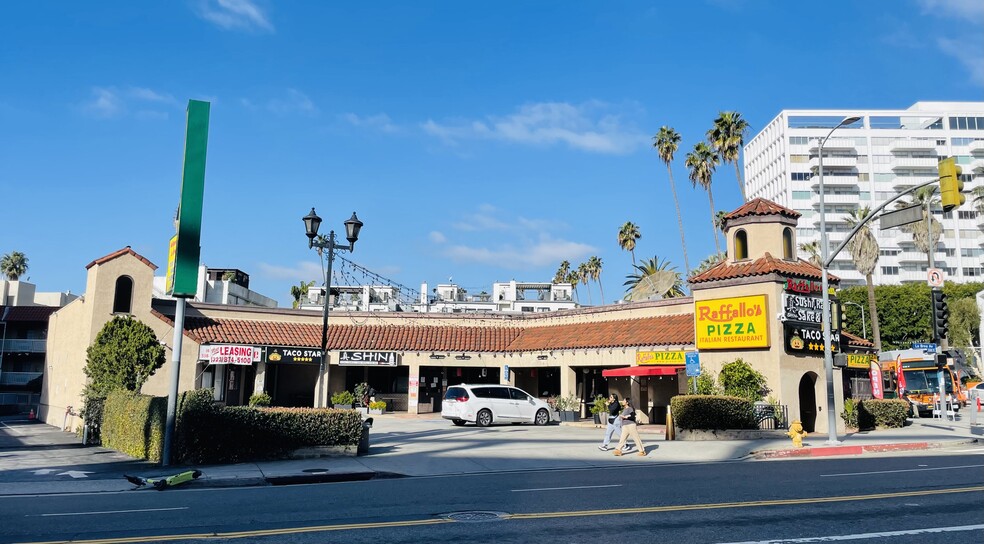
(361, 389)
(739, 379)
(92, 415)
(211, 434)
(706, 384)
(882, 413)
(134, 424)
(343, 397)
(377, 405)
(260, 399)
(570, 403)
(712, 412)
(599, 405)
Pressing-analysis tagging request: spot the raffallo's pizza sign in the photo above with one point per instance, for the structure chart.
(229, 354)
(729, 323)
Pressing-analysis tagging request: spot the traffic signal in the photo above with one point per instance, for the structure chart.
(941, 314)
(950, 184)
(940, 361)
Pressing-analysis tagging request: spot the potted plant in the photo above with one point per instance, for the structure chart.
(599, 408)
(377, 407)
(342, 400)
(567, 406)
(362, 394)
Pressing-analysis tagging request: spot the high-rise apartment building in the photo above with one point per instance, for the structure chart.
(866, 163)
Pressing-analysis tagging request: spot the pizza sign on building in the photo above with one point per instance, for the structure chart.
(730, 323)
(661, 357)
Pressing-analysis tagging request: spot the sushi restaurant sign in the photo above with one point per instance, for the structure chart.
(729, 323)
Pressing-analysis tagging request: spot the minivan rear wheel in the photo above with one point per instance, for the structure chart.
(542, 417)
(484, 418)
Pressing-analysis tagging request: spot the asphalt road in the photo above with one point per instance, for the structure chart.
(900, 499)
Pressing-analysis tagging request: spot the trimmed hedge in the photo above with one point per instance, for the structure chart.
(712, 412)
(211, 434)
(882, 413)
(134, 424)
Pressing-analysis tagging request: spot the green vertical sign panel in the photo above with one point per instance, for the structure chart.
(188, 250)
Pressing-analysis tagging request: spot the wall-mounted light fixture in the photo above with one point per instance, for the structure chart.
(436, 356)
(462, 357)
(541, 357)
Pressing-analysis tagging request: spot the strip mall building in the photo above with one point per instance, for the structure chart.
(760, 304)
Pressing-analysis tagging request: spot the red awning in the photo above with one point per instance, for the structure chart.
(662, 370)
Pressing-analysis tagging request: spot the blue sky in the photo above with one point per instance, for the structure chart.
(479, 142)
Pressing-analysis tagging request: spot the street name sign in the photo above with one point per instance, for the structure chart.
(897, 218)
(927, 347)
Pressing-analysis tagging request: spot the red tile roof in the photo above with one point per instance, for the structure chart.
(665, 330)
(27, 313)
(856, 341)
(761, 206)
(124, 251)
(761, 267)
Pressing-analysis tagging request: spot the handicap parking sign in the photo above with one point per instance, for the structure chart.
(693, 364)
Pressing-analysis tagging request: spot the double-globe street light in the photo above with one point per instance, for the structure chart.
(828, 359)
(352, 227)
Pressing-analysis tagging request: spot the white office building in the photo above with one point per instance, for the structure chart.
(866, 163)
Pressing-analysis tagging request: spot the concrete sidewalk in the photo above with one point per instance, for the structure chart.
(428, 446)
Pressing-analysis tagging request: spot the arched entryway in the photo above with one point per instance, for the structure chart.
(808, 401)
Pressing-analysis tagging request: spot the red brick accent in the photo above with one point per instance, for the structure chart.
(124, 251)
(761, 206)
(761, 267)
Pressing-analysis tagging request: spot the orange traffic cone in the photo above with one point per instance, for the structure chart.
(31, 415)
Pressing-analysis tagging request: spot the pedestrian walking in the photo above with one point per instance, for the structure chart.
(628, 417)
(614, 423)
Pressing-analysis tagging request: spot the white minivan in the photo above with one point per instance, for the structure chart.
(484, 404)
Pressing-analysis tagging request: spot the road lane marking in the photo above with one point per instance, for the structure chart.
(896, 471)
(13, 430)
(565, 488)
(865, 536)
(107, 512)
(540, 515)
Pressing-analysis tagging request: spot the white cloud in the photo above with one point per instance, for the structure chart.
(437, 237)
(294, 102)
(490, 218)
(105, 103)
(150, 95)
(380, 122)
(304, 271)
(234, 15)
(590, 126)
(966, 46)
(544, 252)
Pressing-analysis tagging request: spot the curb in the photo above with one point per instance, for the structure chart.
(827, 451)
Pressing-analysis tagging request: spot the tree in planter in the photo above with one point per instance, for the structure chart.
(124, 355)
(343, 398)
(362, 394)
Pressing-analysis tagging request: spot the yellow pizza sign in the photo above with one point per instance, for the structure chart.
(861, 360)
(661, 357)
(730, 323)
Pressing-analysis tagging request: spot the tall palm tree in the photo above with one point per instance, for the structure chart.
(574, 278)
(864, 250)
(584, 273)
(702, 161)
(299, 291)
(666, 143)
(727, 138)
(719, 220)
(812, 250)
(562, 271)
(924, 236)
(627, 236)
(13, 265)
(710, 262)
(978, 195)
(594, 268)
(647, 271)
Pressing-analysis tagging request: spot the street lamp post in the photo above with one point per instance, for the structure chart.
(864, 326)
(352, 227)
(828, 359)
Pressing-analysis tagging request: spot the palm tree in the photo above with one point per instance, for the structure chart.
(812, 250)
(645, 272)
(727, 138)
(299, 291)
(864, 250)
(666, 143)
(924, 237)
(574, 278)
(627, 236)
(702, 161)
(13, 265)
(710, 262)
(719, 220)
(584, 273)
(978, 195)
(594, 268)
(562, 271)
